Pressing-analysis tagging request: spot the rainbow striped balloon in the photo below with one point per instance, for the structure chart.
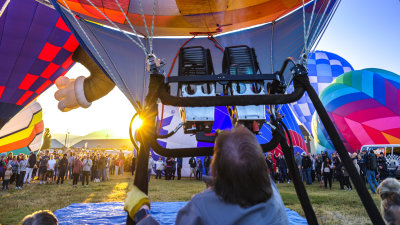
(365, 108)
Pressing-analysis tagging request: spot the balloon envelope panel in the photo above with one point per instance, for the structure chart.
(323, 68)
(23, 133)
(179, 17)
(36, 48)
(364, 106)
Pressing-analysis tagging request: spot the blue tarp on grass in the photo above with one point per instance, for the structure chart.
(113, 213)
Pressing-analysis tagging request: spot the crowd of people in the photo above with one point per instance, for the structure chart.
(55, 167)
(324, 169)
(170, 166)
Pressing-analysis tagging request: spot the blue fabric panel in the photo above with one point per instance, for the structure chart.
(113, 213)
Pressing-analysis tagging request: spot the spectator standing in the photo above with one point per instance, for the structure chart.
(159, 168)
(50, 168)
(199, 169)
(14, 168)
(207, 161)
(121, 164)
(179, 167)
(70, 165)
(313, 174)
(281, 163)
(362, 161)
(346, 180)
(173, 169)
(93, 169)
(31, 165)
(270, 164)
(23, 165)
(63, 165)
(76, 171)
(116, 163)
(371, 167)
(306, 165)
(192, 163)
(382, 167)
(326, 170)
(337, 168)
(168, 170)
(108, 168)
(318, 166)
(43, 167)
(87, 165)
(7, 177)
(150, 166)
(102, 167)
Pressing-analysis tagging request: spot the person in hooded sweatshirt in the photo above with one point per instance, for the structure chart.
(241, 191)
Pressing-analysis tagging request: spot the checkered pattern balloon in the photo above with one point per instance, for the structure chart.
(323, 68)
(36, 48)
(365, 108)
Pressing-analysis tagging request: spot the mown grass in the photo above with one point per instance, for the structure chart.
(331, 206)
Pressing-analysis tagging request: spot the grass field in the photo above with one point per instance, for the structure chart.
(331, 206)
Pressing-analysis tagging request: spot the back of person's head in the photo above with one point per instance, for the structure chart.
(389, 191)
(43, 217)
(239, 168)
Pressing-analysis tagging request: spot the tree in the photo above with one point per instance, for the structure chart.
(46, 139)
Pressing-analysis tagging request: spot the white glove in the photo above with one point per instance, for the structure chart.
(71, 94)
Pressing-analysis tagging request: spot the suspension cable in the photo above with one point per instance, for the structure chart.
(130, 24)
(119, 29)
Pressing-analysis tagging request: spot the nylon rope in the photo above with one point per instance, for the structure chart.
(272, 44)
(313, 38)
(4, 7)
(311, 19)
(130, 24)
(144, 19)
(304, 25)
(98, 53)
(117, 27)
(330, 18)
(152, 28)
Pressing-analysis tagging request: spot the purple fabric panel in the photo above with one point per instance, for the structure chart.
(40, 28)
(58, 37)
(392, 102)
(33, 96)
(355, 106)
(15, 30)
(38, 82)
(61, 56)
(56, 74)
(38, 67)
(17, 94)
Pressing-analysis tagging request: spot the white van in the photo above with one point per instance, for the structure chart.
(392, 153)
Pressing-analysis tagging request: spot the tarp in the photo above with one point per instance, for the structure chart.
(113, 213)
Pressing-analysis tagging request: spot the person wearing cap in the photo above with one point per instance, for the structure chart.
(241, 192)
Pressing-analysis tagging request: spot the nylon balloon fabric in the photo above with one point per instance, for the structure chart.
(23, 133)
(323, 68)
(35, 49)
(365, 108)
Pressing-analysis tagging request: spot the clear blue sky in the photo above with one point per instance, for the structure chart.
(364, 32)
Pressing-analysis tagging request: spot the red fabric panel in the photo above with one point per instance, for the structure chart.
(28, 81)
(48, 52)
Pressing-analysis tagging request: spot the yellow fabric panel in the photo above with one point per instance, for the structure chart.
(23, 133)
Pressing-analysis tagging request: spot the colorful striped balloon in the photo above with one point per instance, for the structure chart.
(323, 68)
(365, 107)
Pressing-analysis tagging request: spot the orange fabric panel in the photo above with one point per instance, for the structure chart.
(195, 16)
(23, 142)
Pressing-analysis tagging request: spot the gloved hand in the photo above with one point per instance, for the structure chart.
(71, 94)
(134, 200)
